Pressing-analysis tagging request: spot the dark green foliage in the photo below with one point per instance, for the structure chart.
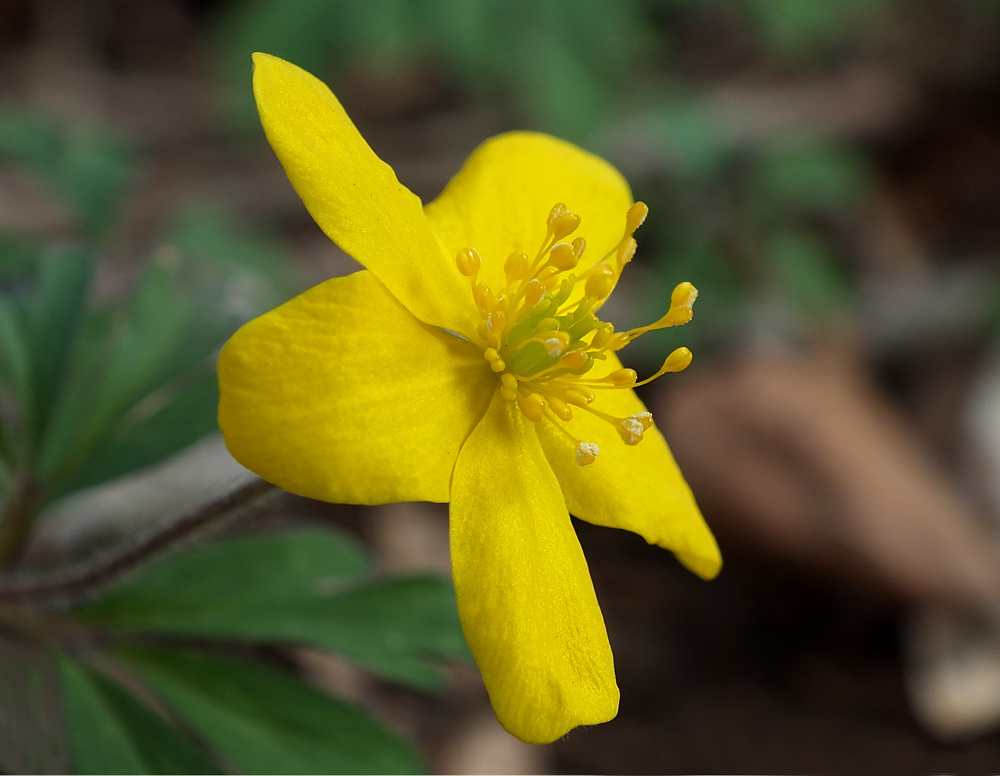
(264, 721)
(300, 586)
(109, 731)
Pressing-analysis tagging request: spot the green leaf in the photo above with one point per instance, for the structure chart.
(54, 313)
(392, 626)
(264, 721)
(95, 168)
(31, 729)
(108, 731)
(171, 421)
(807, 273)
(212, 589)
(164, 341)
(810, 177)
(295, 586)
(29, 139)
(87, 166)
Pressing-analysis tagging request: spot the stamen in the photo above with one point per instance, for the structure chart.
(677, 361)
(559, 407)
(542, 345)
(493, 359)
(586, 453)
(635, 216)
(533, 406)
(516, 267)
(601, 282)
(469, 262)
(563, 257)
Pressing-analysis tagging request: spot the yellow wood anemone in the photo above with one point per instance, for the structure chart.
(467, 364)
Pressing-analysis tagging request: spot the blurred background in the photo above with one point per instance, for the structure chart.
(827, 173)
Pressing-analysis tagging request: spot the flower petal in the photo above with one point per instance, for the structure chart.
(499, 201)
(355, 197)
(340, 394)
(637, 488)
(524, 592)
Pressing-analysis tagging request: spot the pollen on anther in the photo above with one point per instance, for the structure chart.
(586, 453)
(631, 430)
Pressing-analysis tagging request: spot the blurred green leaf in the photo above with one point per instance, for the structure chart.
(31, 728)
(392, 626)
(264, 721)
(559, 60)
(295, 586)
(54, 313)
(108, 731)
(29, 139)
(212, 588)
(690, 140)
(806, 176)
(807, 273)
(800, 32)
(170, 421)
(18, 260)
(95, 169)
(169, 329)
(256, 276)
(88, 166)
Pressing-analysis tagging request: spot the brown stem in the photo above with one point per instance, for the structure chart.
(15, 523)
(88, 578)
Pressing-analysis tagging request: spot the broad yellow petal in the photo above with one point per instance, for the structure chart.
(638, 488)
(525, 597)
(340, 394)
(355, 197)
(499, 201)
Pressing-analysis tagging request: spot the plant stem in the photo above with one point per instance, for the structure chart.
(23, 501)
(89, 578)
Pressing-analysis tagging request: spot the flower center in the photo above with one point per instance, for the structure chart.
(542, 335)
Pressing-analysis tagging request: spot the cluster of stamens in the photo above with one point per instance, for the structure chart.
(542, 335)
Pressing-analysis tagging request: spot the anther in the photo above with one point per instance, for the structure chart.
(586, 453)
(626, 251)
(469, 262)
(579, 246)
(630, 429)
(493, 359)
(508, 386)
(516, 267)
(557, 343)
(622, 377)
(678, 361)
(563, 256)
(484, 298)
(547, 324)
(601, 282)
(560, 408)
(580, 396)
(635, 216)
(601, 336)
(533, 293)
(533, 406)
(564, 225)
(675, 362)
(681, 305)
(558, 209)
(574, 359)
(495, 322)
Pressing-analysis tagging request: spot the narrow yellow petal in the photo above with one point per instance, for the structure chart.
(340, 394)
(638, 488)
(499, 201)
(355, 197)
(525, 597)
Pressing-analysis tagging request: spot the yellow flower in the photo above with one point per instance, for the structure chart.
(466, 364)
